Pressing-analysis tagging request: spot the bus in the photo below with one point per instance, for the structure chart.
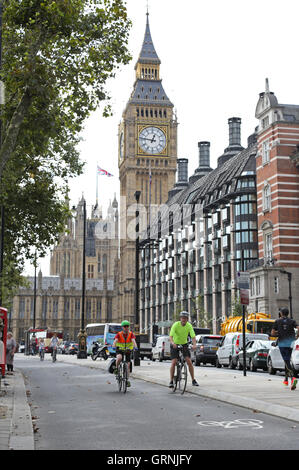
(104, 333)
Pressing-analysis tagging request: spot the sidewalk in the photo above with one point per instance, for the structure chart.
(258, 392)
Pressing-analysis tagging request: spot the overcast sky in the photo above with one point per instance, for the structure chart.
(215, 56)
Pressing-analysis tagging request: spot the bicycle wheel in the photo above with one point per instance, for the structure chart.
(54, 356)
(184, 375)
(125, 376)
(119, 376)
(177, 377)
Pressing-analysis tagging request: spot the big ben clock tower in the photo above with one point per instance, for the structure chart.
(147, 159)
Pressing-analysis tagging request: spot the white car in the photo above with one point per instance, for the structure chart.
(275, 361)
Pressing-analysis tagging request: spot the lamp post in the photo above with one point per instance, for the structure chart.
(290, 290)
(136, 356)
(82, 353)
(34, 293)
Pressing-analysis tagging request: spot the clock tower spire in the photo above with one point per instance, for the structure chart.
(147, 156)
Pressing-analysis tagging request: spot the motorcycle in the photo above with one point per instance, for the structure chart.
(99, 350)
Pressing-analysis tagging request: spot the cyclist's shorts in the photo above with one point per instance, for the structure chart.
(174, 352)
(128, 354)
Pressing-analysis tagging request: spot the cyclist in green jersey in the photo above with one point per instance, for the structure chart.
(179, 333)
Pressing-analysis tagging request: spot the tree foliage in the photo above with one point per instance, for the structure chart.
(57, 58)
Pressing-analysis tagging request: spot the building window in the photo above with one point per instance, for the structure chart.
(268, 250)
(77, 309)
(266, 152)
(252, 289)
(258, 285)
(276, 285)
(267, 197)
(265, 122)
(90, 272)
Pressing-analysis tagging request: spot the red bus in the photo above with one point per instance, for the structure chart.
(3, 337)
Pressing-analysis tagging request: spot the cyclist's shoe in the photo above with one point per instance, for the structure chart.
(128, 383)
(194, 383)
(293, 383)
(286, 382)
(171, 384)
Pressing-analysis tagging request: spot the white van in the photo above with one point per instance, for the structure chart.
(161, 350)
(230, 346)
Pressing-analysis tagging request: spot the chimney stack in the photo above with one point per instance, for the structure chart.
(234, 130)
(204, 162)
(182, 181)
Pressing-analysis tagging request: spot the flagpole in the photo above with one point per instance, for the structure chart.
(97, 186)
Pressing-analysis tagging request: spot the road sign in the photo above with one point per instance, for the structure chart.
(243, 279)
(244, 296)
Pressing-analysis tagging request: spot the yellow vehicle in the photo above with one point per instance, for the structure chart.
(255, 323)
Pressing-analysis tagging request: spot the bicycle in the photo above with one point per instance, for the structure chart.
(123, 372)
(42, 354)
(181, 372)
(54, 353)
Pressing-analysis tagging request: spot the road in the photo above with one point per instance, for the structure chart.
(78, 408)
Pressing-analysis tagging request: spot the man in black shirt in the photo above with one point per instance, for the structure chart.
(284, 328)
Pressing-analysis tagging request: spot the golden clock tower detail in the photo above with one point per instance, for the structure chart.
(147, 160)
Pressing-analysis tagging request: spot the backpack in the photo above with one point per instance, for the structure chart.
(111, 365)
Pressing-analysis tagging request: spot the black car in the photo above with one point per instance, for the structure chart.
(206, 347)
(256, 355)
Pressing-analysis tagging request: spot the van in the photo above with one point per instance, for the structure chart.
(230, 346)
(161, 350)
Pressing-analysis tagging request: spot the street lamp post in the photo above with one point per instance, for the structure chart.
(137, 320)
(82, 353)
(34, 293)
(290, 291)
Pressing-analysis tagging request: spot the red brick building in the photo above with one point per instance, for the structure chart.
(275, 282)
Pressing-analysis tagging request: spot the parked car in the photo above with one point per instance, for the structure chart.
(72, 348)
(21, 347)
(206, 347)
(230, 346)
(295, 356)
(63, 346)
(161, 350)
(275, 361)
(256, 355)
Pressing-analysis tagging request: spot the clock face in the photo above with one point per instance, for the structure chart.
(152, 140)
(121, 145)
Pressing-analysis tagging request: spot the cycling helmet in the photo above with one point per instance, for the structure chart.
(184, 314)
(125, 323)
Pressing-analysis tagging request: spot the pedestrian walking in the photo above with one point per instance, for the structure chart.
(284, 328)
(10, 351)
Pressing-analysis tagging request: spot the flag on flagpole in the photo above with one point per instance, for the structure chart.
(102, 172)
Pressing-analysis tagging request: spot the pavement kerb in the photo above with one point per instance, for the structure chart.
(21, 431)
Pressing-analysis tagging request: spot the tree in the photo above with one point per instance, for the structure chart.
(57, 58)
(203, 319)
(237, 308)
